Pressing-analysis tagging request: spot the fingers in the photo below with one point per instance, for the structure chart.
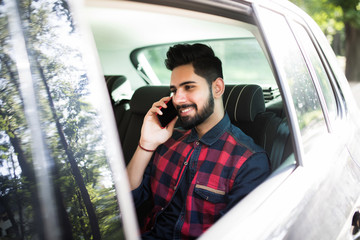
(156, 107)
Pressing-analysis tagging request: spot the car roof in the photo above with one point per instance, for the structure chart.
(122, 26)
(138, 25)
(119, 27)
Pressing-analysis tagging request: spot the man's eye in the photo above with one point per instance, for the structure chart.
(188, 87)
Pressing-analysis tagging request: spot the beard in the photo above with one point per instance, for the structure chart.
(189, 122)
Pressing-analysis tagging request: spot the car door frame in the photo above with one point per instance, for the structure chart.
(341, 149)
(285, 224)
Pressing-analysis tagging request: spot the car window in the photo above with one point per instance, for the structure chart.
(336, 73)
(55, 182)
(317, 65)
(243, 61)
(292, 66)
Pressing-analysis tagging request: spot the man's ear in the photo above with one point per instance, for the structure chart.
(218, 87)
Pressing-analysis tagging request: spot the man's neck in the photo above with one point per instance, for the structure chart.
(209, 123)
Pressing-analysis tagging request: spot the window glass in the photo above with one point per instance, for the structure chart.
(334, 66)
(321, 74)
(292, 66)
(84, 199)
(243, 61)
(17, 178)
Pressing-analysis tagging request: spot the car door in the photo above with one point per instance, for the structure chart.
(343, 187)
(59, 147)
(327, 169)
(317, 198)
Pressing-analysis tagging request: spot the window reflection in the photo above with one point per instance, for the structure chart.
(319, 70)
(292, 64)
(85, 197)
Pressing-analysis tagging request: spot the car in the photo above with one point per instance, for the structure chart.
(77, 78)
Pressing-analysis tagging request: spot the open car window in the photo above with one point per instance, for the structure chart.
(243, 61)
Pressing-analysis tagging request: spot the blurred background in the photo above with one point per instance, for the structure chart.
(340, 21)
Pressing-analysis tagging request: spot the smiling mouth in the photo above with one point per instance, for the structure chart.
(183, 110)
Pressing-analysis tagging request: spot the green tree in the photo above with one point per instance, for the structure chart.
(69, 123)
(45, 64)
(334, 16)
(17, 190)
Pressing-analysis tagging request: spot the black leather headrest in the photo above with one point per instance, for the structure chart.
(144, 97)
(114, 81)
(243, 102)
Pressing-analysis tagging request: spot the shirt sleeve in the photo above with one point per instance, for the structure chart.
(142, 193)
(251, 174)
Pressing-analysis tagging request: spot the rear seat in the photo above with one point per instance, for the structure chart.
(120, 108)
(245, 106)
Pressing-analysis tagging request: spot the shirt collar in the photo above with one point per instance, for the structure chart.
(213, 134)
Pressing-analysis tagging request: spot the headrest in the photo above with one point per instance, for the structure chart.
(243, 102)
(144, 97)
(114, 81)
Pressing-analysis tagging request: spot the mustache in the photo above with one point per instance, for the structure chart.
(186, 106)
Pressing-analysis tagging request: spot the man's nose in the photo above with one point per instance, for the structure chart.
(179, 97)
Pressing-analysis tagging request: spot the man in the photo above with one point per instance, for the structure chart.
(194, 175)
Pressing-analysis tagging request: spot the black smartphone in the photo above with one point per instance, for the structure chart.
(169, 114)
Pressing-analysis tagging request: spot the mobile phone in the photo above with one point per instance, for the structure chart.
(168, 115)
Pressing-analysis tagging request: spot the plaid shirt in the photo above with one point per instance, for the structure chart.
(219, 176)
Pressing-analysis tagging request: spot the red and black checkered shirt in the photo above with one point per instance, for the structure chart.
(224, 166)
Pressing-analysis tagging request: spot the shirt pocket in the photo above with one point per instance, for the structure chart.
(210, 194)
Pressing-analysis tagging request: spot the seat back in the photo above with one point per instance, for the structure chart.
(245, 106)
(243, 102)
(122, 108)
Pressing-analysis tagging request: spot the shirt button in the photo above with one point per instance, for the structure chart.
(185, 163)
(175, 188)
(197, 143)
(162, 209)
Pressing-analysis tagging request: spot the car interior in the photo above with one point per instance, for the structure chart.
(132, 40)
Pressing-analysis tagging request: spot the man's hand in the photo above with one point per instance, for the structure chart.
(152, 134)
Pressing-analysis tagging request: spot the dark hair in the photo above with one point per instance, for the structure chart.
(202, 57)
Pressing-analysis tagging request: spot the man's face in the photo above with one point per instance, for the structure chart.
(192, 96)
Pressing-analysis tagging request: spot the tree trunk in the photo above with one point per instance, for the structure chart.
(4, 202)
(95, 229)
(29, 175)
(18, 201)
(352, 70)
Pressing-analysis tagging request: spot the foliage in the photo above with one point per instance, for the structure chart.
(69, 123)
(340, 21)
(351, 11)
(331, 15)
(326, 14)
